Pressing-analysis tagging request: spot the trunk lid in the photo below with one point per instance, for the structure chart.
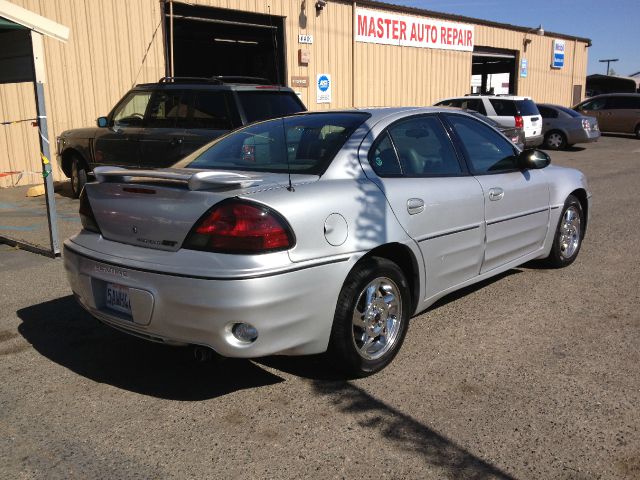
(158, 208)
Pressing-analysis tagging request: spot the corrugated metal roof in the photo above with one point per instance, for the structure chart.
(33, 21)
(460, 18)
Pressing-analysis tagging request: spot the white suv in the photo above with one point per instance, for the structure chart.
(507, 110)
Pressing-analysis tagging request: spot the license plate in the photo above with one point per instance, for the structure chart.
(117, 298)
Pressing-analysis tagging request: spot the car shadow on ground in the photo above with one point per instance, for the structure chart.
(572, 148)
(63, 332)
(628, 136)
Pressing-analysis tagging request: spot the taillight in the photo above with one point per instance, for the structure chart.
(87, 218)
(519, 121)
(586, 125)
(238, 226)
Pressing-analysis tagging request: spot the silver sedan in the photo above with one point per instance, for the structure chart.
(320, 232)
(563, 127)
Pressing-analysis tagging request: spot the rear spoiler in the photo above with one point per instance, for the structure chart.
(196, 180)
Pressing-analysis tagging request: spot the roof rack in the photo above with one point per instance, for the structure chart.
(218, 80)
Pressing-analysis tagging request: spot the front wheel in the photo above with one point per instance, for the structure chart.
(569, 234)
(78, 176)
(371, 319)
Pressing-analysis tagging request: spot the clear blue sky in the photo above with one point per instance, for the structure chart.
(612, 25)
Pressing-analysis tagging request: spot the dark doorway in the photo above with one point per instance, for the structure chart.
(493, 71)
(214, 41)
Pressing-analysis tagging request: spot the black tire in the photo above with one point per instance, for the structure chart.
(345, 348)
(78, 176)
(555, 140)
(638, 131)
(567, 240)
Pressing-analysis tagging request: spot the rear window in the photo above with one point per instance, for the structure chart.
(300, 144)
(527, 107)
(570, 112)
(262, 105)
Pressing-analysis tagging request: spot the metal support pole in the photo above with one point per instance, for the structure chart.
(43, 137)
(171, 37)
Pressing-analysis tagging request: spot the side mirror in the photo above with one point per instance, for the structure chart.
(533, 159)
(102, 122)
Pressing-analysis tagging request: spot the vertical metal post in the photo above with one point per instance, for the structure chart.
(171, 37)
(43, 137)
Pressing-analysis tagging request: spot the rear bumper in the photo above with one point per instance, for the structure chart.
(582, 136)
(292, 311)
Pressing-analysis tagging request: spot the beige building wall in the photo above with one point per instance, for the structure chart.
(110, 39)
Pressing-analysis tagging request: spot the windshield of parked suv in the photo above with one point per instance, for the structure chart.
(300, 144)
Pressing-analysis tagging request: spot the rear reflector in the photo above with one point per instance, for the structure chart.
(238, 226)
(519, 121)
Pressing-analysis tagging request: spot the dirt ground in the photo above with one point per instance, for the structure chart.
(532, 375)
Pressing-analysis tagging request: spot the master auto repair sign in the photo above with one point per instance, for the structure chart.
(374, 26)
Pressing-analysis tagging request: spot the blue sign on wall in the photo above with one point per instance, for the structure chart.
(524, 68)
(557, 61)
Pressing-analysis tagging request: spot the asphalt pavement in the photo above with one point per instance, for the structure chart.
(534, 374)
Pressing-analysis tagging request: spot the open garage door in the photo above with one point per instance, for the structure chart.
(493, 71)
(213, 41)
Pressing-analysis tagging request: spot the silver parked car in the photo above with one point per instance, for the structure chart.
(318, 232)
(563, 127)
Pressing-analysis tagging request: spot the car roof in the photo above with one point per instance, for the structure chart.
(498, 97)
(602, 95)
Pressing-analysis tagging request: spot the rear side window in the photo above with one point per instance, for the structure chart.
(487, 151)
(526, 107)
(624, 103)
(568, 111)
(262, 105)
(383, 158)
(300, 144)
(547, 112)
(211, 110)
(504, 108)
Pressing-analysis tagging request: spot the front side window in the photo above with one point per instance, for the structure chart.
(487, 151)
(131, 111)
(167, 109)
(299, 144)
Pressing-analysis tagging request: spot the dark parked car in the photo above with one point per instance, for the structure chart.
(563, 127)
(616, 112)
(154, 125)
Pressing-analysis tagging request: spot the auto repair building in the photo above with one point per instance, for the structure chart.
(335, 54)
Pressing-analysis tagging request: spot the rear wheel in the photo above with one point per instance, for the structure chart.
(638, 130)
(555, 140)
(569, 234)
(372, 316)
(78, 176)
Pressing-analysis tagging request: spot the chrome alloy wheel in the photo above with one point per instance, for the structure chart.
(555, 140)
(377, 318)
(569, 238)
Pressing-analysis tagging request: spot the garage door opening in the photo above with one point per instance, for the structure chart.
(493, 71)
(212, 41)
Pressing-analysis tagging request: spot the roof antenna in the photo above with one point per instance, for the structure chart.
(284, 133)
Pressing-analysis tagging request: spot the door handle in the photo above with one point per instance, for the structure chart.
(415, 205)
(496, 194)
(175, 142)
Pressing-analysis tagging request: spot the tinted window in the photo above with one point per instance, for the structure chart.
(486, 120)
(211, 110)
(262, 105)
(568, 111)
(487, 151)
(311, 143)
(450, 103)
(131, 111)
(504, 108)
(474, 104)
(383, 158)
(547, 112)
(625, 103)
(526, 107)
(424, 147)
(596, 104)
(166, 109)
